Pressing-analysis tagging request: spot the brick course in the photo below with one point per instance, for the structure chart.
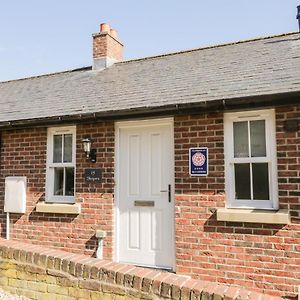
(23, 153)
(41, 273)
(261, 257)
(288, 153)
(105, 45)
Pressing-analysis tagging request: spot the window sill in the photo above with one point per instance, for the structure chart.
(58, 208)
(280, 216)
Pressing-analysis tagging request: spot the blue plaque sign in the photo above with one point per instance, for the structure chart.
(198, 161)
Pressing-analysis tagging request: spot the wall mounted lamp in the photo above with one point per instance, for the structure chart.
(87, 148)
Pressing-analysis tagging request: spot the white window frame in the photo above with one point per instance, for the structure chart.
(50, 197)
(271, 158)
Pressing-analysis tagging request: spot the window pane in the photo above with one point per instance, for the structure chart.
(68, 148)
(242, 181)
(69, 182)
(57, 148)
(58, 181)
(258, 138)
(260, 174)
(240, 137)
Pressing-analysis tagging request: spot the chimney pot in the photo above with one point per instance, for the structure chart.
(107, 48)
(104, 27)
(114, 33)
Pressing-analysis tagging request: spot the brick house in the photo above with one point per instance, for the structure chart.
(191, 160)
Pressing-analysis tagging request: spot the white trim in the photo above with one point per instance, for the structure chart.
(271, 158)
(141, 123)
(117, 194)
(49, 197)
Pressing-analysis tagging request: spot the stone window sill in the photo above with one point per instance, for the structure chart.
(58, 208)
(280, 216)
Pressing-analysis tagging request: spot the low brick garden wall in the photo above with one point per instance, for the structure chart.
(43, 273)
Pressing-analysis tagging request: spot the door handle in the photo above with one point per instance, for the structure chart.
(167, 191)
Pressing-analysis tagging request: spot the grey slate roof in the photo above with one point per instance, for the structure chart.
(258, 67)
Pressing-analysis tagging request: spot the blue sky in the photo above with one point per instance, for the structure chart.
(39, 37)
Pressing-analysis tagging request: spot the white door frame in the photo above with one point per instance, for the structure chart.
(132, 124)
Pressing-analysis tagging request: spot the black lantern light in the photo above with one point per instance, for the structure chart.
(87, 148)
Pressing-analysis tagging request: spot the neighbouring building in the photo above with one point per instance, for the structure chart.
(187, 161)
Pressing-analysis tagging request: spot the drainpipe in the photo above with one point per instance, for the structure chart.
(100, 235)
(7, 225)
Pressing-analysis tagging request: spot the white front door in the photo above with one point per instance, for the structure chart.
(145, 182)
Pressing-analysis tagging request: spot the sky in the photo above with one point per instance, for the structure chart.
(38, 37)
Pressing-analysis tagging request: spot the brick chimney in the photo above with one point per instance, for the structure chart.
(107, 49)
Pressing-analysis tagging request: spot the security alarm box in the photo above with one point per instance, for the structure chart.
(15, 194)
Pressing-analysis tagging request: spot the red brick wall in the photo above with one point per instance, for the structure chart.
(105, 45)
(23, 153)
(41, 273)
(257, 256)
(288, 153)
(263, 257)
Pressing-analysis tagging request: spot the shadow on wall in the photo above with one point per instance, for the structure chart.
(3, 224)
(50, 229)
(64, 232)
(257, 251)
(91, 246)
(51, 217)
(213, 225)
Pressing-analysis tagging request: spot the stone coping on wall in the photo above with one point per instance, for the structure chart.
(126, 281)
